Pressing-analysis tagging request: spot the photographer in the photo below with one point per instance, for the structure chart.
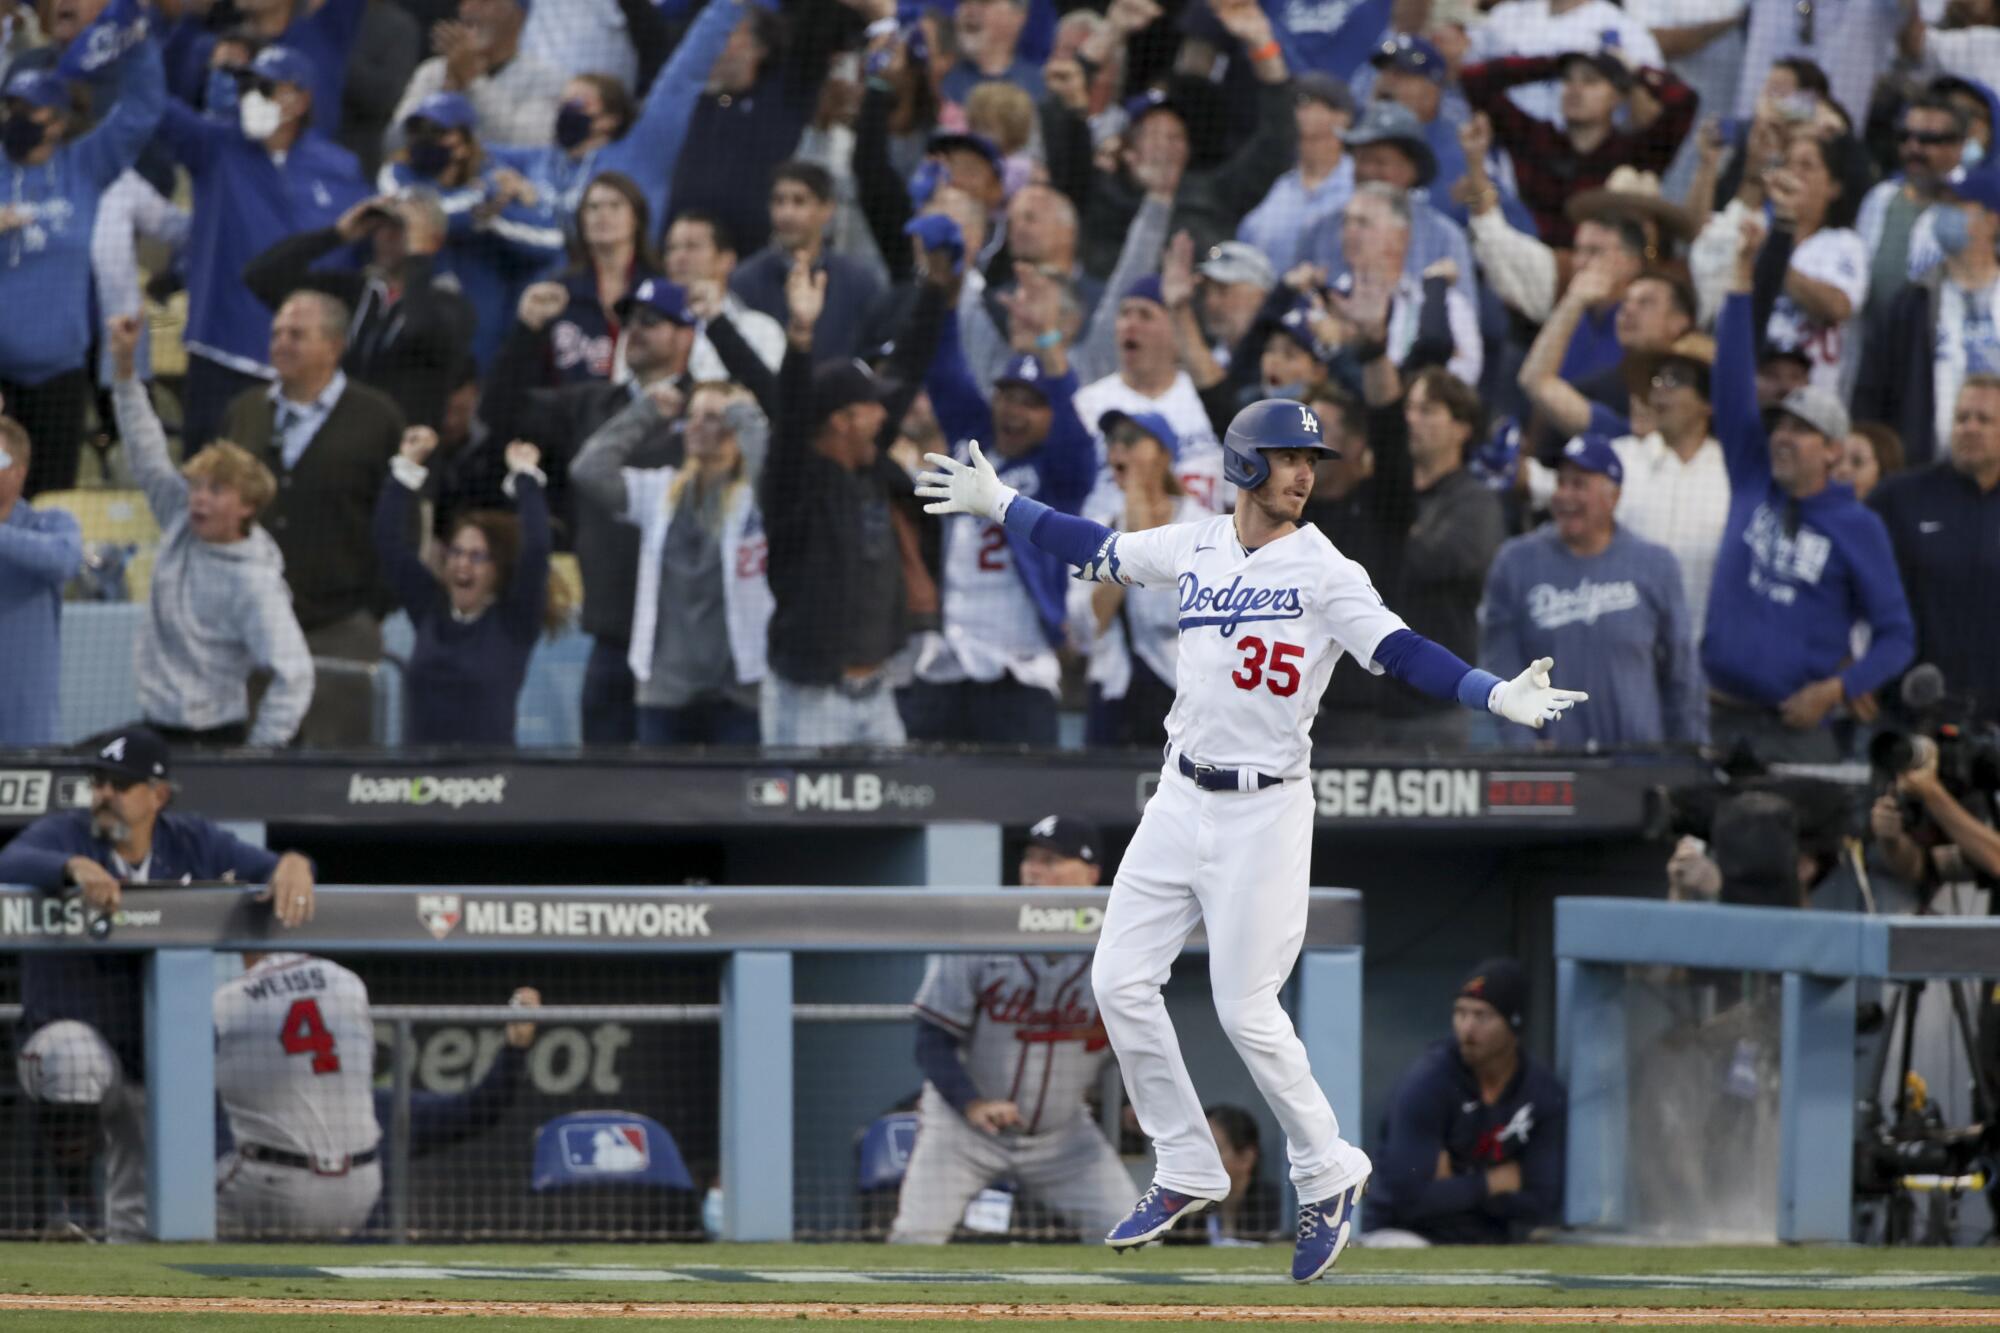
(1970, 846)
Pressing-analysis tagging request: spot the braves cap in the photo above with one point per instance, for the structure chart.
(838, 384)
(448, 111)
(1412, 55)
(1593, 453)
(1500, 983)
(1151, 423)
(668, 298)
(1818, 408)
(1238, 261)
(38, 88)
(131, 754)
(287, 64)
(1024, 369)
(1066, 835)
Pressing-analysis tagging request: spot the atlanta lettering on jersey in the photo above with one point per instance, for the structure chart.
(1234, 604)
(290, 981)
(1063, 1020)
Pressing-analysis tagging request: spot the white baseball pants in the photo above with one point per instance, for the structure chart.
(1072, 1169)
(256, 1200)
(1237, 862)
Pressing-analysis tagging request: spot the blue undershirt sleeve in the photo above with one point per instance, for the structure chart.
(1434, 669)
(1075, 541)
(937, 1057)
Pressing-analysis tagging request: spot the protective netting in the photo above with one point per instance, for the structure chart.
(303, 226)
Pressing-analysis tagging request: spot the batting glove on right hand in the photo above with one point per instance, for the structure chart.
(964, 488)
(1530, 700)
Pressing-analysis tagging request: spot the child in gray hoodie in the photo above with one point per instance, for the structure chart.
(219, 609)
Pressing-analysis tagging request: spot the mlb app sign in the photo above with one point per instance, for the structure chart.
(616, 1148)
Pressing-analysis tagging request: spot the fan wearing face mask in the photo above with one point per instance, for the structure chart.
(501, 233)
(55, 173)
(265, 173)
(599, 128)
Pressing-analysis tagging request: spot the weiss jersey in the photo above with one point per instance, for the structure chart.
(990, 625)
(295, 1057)
(1259, 634)
(1028, 1028)
(1199, 466)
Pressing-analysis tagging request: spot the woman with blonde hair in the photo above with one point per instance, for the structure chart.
(702, 604)
(477, 622)
(218, 610)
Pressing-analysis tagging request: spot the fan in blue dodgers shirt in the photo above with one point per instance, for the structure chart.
(80, 1055)
(56, 168)
(500, 232)
(266, 174)
(1589, 591)
(1471, 1150)
(1802, 563)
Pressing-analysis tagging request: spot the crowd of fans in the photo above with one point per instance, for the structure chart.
(1663, 339)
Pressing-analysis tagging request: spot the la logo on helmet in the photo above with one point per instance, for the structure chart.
(1308, 420)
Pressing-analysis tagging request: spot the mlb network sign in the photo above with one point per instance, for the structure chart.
(443, 913)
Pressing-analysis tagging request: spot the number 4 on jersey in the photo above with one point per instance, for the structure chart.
(304, 1033)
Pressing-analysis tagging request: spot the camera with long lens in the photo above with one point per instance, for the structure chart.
(1967, 755)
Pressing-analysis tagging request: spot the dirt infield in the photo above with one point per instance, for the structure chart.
(1444, 1316)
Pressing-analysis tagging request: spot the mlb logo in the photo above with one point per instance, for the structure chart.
(439, 912)
(768, 793)
(615, 1148)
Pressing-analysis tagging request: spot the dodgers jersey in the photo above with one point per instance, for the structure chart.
(1027, 1025)
(1260, 632)
(989, 625)
(295, 1057)
(1199, 463)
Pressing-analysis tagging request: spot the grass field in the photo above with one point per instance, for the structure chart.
(502, 1288)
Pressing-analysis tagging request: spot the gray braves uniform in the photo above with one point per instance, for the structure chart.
(1029, 1033)
(295, 1068)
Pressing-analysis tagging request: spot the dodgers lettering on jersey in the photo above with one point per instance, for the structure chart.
(295, 1057)
(1260, 632)
(1028, 1027)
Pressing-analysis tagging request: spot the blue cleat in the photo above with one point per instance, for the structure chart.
(1154, 1216)
(1324, 1228)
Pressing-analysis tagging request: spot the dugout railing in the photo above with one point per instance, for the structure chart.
(1804, 971)
(758, 934)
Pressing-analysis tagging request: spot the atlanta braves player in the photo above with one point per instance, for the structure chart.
(1267, 608)
(1011, 1105)
(295, 1068)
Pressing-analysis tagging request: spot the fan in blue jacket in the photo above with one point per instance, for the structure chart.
(262, 176)
(501, 233)
(593, 136)
(1802, 563)
(323, 31)
(990, 673)
(48, 210)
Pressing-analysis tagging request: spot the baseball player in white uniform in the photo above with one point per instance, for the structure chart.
(295, 1071)
(1267, 608)
(1009, 1044)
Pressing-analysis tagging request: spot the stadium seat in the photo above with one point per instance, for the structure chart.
(99, 687)
(882, 1153)
(589, 1149)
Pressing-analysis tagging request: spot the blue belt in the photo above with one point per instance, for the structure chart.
(1210, 778)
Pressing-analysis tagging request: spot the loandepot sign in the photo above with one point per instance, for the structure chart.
(454, 792)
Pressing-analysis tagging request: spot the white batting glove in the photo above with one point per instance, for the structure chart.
(1529, 699)
(964, 488)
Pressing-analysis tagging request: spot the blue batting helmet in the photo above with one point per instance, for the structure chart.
(1275, 423)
